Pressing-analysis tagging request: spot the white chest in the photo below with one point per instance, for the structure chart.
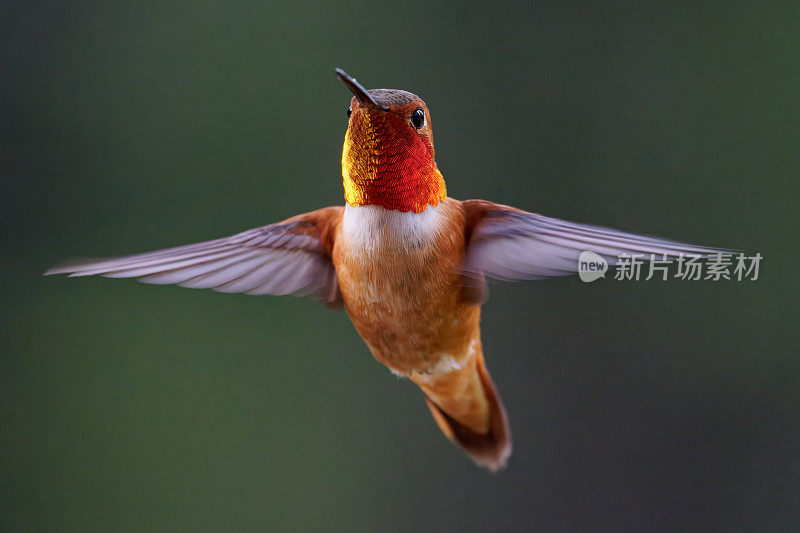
(370, 229)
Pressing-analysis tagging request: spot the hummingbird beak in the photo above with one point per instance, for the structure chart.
(361, 93)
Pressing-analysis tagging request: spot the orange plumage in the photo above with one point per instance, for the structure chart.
(403, 291)
(401, 283)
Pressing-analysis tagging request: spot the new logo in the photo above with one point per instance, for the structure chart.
(591, 266)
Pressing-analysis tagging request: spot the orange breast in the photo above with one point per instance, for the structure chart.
(397, 275)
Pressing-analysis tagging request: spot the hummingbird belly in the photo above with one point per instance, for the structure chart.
(398, 279)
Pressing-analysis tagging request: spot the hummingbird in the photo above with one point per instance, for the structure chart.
(408, 263)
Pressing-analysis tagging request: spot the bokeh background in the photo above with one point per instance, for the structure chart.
(635, 406)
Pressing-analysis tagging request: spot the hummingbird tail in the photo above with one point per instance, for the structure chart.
(489, 446)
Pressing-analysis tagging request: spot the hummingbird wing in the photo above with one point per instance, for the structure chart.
(510, 244)
(290, 257)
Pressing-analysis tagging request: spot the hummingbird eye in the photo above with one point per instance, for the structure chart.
(418, 118)
(349, 110)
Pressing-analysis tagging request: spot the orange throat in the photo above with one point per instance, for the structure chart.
(380, 167)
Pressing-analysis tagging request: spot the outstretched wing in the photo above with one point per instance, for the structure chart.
(509, 244)
(290, 257)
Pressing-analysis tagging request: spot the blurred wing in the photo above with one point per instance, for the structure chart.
(290, 257)
(510, 244)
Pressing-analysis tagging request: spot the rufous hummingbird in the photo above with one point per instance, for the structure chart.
(408, 263)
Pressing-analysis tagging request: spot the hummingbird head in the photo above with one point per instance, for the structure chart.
(388, 156)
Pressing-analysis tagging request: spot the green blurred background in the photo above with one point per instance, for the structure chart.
(634, 406)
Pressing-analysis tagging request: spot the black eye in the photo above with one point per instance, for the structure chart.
(349, 110)
(418, 118)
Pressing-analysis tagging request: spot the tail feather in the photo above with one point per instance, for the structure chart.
(489, 447)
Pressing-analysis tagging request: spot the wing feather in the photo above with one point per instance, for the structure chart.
(509, 244)
(290, 257)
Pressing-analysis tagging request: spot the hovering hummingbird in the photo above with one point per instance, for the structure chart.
(408, 263)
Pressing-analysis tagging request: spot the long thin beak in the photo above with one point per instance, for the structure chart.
(358, 90)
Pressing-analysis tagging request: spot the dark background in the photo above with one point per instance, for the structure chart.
(635, 406)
